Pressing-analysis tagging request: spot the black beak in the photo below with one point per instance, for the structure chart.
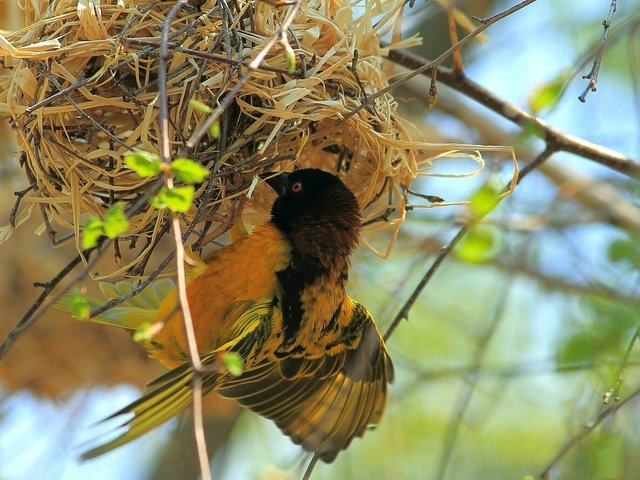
(277, 181)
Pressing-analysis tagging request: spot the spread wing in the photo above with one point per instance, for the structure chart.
(322, 404)
(172, 393)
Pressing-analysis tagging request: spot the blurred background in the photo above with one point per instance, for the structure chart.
(506, 357)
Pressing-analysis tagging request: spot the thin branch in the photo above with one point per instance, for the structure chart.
(181, 283)
(84, 114)
(35, 312)
(603, 199)
(453, 35)
(213, 56)
(19, 196)
(30, 317)
(435, 64)
(588, 428)
(561, 140)
(592, 76)
(403, 314)
(310, 467)
(615, 391)
(63, 92)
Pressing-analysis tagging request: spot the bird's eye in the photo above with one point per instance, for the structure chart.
(296, 187)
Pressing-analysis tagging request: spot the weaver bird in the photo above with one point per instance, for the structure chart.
(313, 359)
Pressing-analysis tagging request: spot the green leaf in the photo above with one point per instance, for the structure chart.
(78, 305)
(578, 349)
(177, 199)
(233, 363)
(115, 221)
(608, 456)
(188, 171)
(214, 130)
(625, 250)
(291, 57)
(200, 106)
(91, 232)
(545, 97)
(486, 198)
(143, 333)
(481, 244)
(145, 164)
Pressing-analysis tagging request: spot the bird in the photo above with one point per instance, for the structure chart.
(313, 359)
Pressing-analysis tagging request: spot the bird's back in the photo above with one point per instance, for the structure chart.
(236, 278)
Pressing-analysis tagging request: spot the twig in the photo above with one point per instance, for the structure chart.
(19, 196)
(35, 312)
(600, 197)
(310, 467)
(541, 367)
(215, 56)
(181, 284)
(84, 114)
(60, 93)
(432, 65)
(403, 314)
(592, 76)
(561, 140)
(615, 391)
(572, 442)
(30, 317)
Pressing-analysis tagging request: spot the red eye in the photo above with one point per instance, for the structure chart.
(296, 187)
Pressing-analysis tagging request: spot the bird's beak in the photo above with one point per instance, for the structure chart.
(276, 180)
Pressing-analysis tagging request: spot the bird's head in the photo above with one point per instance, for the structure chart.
(316, 211)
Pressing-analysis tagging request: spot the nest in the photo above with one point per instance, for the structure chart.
(80, 84)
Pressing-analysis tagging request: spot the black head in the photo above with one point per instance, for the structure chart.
(314, 205)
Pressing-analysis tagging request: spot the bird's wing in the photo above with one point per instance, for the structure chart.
(323, 403)
(130, 314)
(172, 393)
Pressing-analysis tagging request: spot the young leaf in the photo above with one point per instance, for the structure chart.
(485, 198)
(145, 331)
(545, 97)
(91, 233)
(481, 244)
(177, 199)
(188, 171)
(214, 130)
(291, 57)
(145, 164)
(200, 106)
(233, 363)
(78, 305)
(115, 221)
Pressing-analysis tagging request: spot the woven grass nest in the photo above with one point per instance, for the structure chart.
(80, 86)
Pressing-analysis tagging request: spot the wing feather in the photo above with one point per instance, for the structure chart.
(322, 403)
(172, 392)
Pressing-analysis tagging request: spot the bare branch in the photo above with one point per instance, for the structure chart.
(35, 312)
(181, 282)
(559, 140)
(587, 429)
(426, 67)
(592, 76)
(403, 314)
